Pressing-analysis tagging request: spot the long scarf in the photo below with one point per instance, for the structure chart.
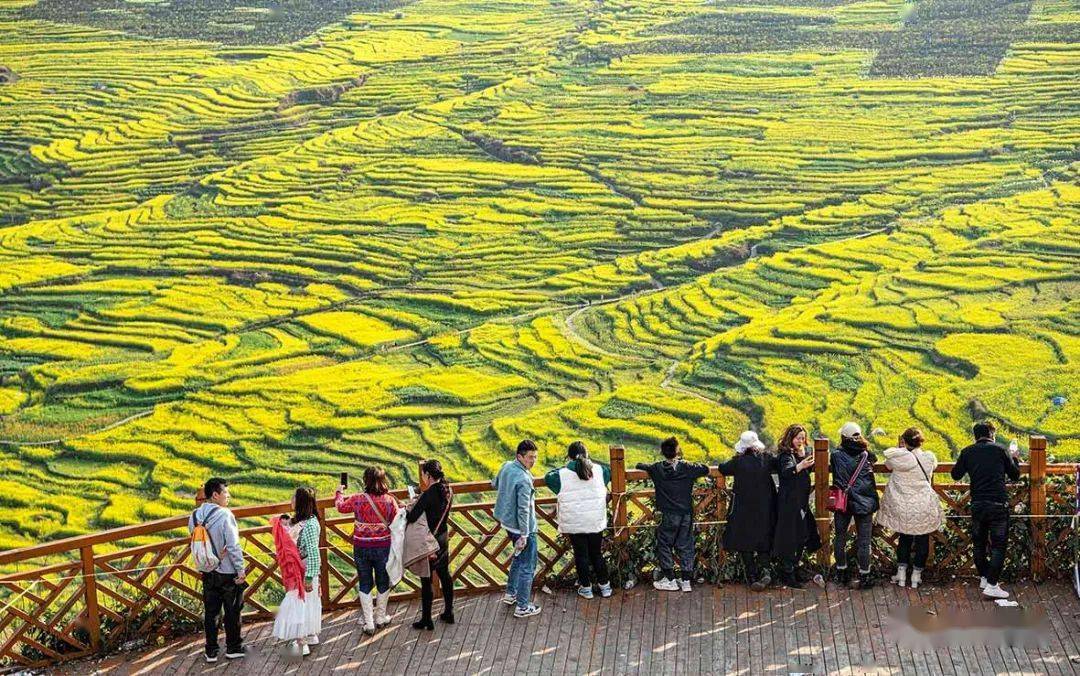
(288, 558)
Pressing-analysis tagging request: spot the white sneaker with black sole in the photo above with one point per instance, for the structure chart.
(531, 610)
(509, 600)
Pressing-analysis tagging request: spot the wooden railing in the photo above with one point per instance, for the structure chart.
(82, 595)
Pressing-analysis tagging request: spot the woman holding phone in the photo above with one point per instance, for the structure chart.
(796, 531)
(373, 510)
(434, 505)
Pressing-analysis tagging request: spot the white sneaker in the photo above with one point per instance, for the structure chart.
(533, 609)
(312, 640)
(509, 599)
(585, 592)
(664, 584)
(684, 585)
(306, 651)
(605, 590)
(982, 583)
(995, 591)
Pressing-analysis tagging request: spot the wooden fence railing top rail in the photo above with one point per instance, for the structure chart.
(91, 599)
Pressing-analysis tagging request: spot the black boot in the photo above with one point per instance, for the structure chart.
(447, 616)
(762, 583)
(424, 623)
(865, 581)
(842, 576)
(426, 598)
(792, 581)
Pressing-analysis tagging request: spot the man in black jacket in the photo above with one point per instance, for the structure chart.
(988, 465)
(674, 482)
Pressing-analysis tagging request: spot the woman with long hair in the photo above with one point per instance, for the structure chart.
(909, 506)
(796, 530)
(751, 513)
(296, 543)
(581, 487)
(434, 505)
(374, 509)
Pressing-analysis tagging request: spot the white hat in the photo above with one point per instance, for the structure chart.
(850, 430)
(747, 440)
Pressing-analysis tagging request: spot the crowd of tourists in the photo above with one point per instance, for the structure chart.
(769, 524)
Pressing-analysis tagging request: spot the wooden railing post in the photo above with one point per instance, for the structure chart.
(821, 499)
(93, 614)
(618, 492)
(324, 561)
(1037, 505)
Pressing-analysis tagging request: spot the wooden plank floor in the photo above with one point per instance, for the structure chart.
(712, 630)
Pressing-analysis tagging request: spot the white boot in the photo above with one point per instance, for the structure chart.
(916, 578)
(381, 601)
(366, 621)
(901, 575)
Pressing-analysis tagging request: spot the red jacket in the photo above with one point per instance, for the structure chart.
(368, 528)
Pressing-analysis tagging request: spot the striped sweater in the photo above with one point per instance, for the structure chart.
(368, 528)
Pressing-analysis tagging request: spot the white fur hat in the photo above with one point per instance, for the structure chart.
(748, 439)
(850, 429)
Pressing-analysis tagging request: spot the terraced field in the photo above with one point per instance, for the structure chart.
(278, 240)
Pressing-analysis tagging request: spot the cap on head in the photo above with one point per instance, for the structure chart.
(850, 430)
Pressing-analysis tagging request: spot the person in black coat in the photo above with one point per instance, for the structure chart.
(862, 502)
(434, 505)
(796, 530)
(752, 510)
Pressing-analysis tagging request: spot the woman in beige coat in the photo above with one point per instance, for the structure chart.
(909, 506)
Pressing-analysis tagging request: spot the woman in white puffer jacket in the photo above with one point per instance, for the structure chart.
(909, 506)
(581, 487)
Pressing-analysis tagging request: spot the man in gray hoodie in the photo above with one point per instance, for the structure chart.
(223, 588)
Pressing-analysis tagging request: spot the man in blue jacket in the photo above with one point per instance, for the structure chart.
(515, 509)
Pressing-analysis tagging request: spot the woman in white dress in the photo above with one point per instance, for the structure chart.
(296, 540)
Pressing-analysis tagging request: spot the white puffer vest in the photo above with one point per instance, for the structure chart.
(582, 504)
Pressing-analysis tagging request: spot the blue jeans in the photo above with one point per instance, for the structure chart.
(371, 561)
(522, 569)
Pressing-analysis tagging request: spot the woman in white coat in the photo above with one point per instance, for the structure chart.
(581, 487)
(909, 506)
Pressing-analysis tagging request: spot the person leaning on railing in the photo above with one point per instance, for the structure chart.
(910, 507)
(223, 588)
(988, 465)
(674, 480)
(581, 487)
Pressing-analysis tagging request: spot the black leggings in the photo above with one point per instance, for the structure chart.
(441, 567)
(864, 533)
(903, 550)
(589, 558)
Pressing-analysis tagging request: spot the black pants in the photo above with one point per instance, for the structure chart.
(864, 533)
(903, 550)
(753, 563)
(989, 523)
(589, 558)
(676, 532)
(220, 592)
(789, 563)
(427, 594)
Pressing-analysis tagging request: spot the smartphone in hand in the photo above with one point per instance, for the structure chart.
(343, 480)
